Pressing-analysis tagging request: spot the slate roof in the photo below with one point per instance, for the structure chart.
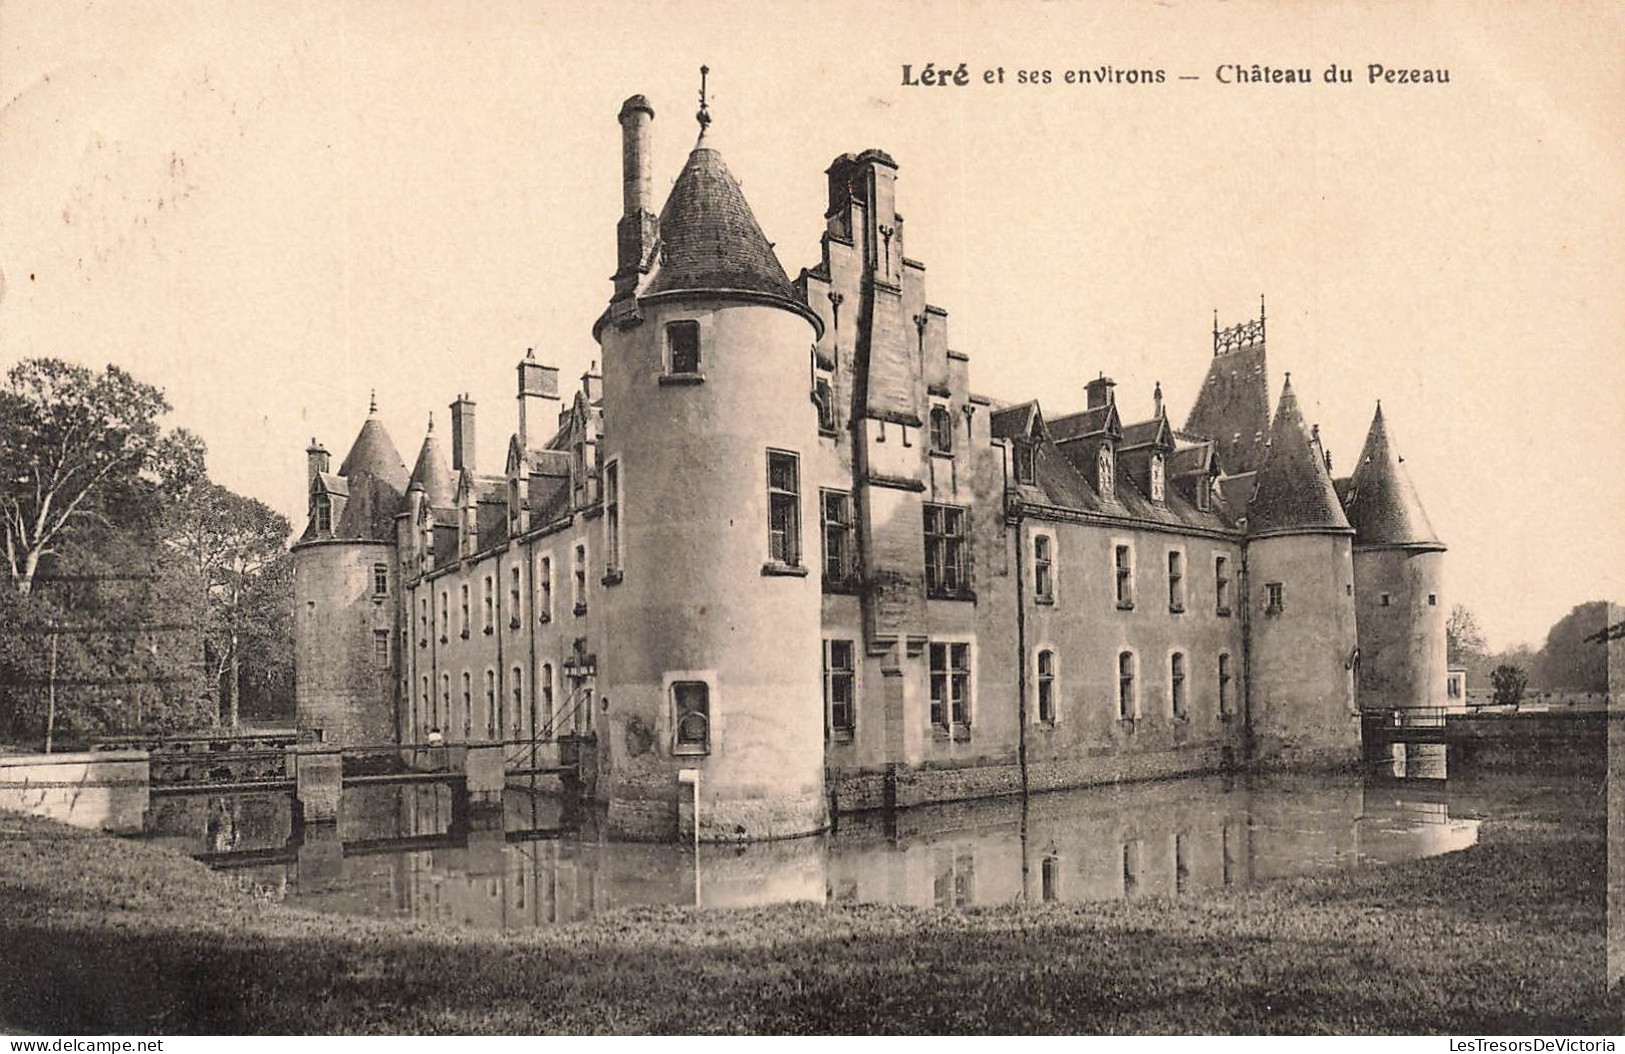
(433, 472)
(1014, 422)
(1144, 433)
(1062, 483)
(1295, 491)
(1382, 504)
(709, 239)
(1083, 423)
(374, 453)
(1233, 408)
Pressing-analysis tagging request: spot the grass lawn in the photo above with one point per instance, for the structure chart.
(103, 935)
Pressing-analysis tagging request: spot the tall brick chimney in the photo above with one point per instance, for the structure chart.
(316, 460)
(1101, 391)
(639, 227)
(462, 435)
(538, 396)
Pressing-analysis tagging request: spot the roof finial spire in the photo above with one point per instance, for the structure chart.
(431, 422)
(372, 403)
(704, 116)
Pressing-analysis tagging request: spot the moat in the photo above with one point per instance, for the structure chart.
(398, 851)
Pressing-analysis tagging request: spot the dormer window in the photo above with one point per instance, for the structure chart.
(683, 347)
(323, 513)
(1105, 473)
(1026, 462)
(942, 430)
(1159, 485)
(1204, 493)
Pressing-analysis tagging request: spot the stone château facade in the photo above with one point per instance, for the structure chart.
(778, 542)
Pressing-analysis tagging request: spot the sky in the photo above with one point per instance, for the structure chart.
(273, 210)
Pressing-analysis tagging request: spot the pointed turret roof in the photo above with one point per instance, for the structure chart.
(1295, 492)
(433, 473)
(373, 453)
(709, 238)
(1382, 503)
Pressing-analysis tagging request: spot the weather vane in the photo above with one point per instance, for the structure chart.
(704, 116)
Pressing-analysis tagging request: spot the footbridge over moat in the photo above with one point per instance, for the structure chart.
(1528, 739)
(316, 774)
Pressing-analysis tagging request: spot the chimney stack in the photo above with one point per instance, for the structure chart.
(462, 434)
(538, 388)
(638, 228)
(315, 459)
(1101, 391)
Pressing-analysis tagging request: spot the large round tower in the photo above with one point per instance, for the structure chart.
(346, 586)
(1300, 586)
(1398, 583)
(709, 528)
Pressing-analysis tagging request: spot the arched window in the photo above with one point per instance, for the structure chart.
(1105, 473)
(445, 699)
(942, 430)
(1046, 686)
(490, 704)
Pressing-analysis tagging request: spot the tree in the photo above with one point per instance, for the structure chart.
(1464, 638)
(232, 547)
(1509, 683)
(67, 436)
(1569, 661)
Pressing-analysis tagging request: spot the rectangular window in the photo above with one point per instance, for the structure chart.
(1176, 581)
(463, 594)
(1176, 685)
(517, 712)
(468, 706)
(683, 346)
(1026, 462)
(1124, 566)
(1226, 702)
(836, 507)
(950, 686)
(514, 583)
(1043, 572)
(490, 704)
(380, 580)
(445, 617)
(1433, 600)
(544, 688)
(1046, 686)
(839, 695)
(489, 604)
(380, 648)
(580, 594)
(612, 519)
(1127, 707)
(1386, 600)
(544, 589)
(691, 713)
(945, 552)
(445, 699)
(1221, 585)
(1275, 598)
(423, 620)
(783, 509)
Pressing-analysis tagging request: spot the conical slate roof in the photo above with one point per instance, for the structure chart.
(1295, 492)
(709, 238)
(1382, 503)
(373, 453)
(433, 473)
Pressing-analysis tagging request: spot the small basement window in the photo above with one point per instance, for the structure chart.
(691, 710)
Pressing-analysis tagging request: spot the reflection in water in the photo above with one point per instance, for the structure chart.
(401, 852)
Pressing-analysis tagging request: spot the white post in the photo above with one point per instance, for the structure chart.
(691, 779)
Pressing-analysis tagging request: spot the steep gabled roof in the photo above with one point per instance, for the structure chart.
(709, 238)
(1233, 407)
(1382, 504)
(1102, 420)
(1015, 422)
(1147, 433)
(1295, 492)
